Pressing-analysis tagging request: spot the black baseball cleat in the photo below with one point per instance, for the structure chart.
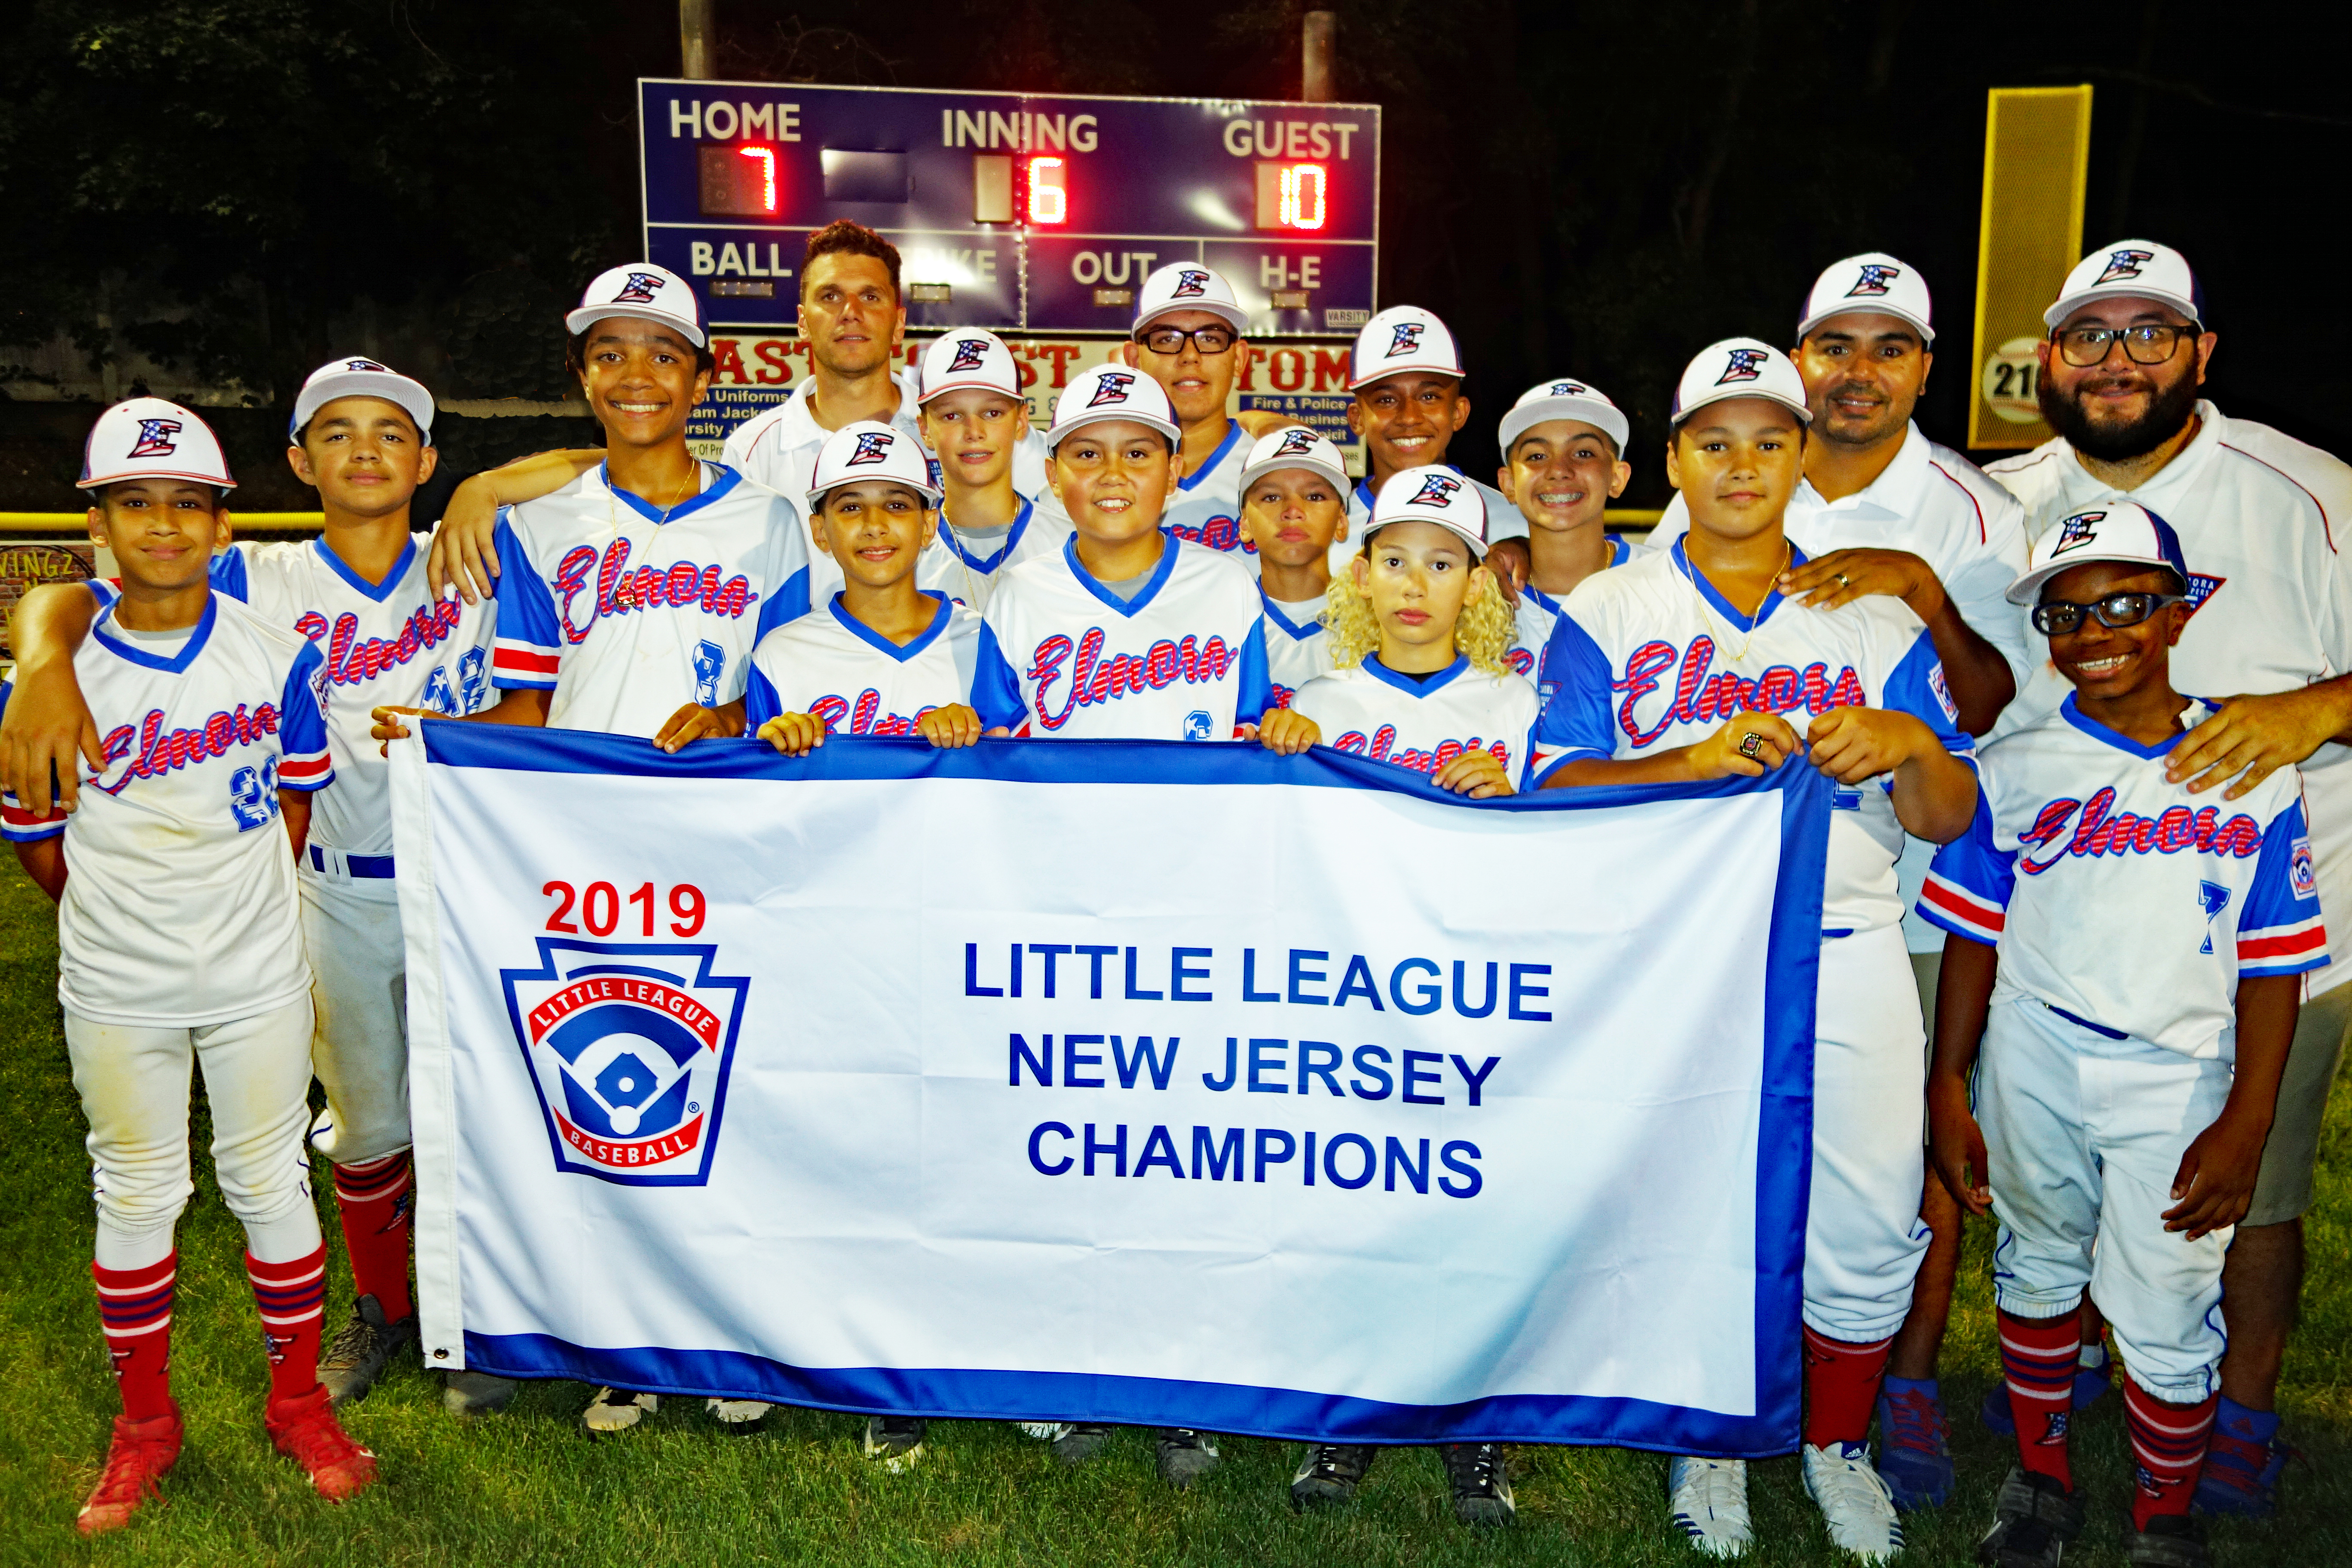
(2170, 1540)
(476, 1393)
(1079, 1441)
(1185, 1455)
(2033, 1520)
(1481, 1481)
(895, 1441)
(365, 1347)
(1330, 1474)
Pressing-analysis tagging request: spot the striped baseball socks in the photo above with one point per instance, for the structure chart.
(292, 1299)
(1841, 1387)
(134, 1305)
(376, 1199)
(2038, 1356)
(2167, 1449)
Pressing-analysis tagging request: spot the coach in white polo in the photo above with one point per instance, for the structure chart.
(2261, 518)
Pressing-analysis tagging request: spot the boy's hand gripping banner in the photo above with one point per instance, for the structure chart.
(1150, 1083)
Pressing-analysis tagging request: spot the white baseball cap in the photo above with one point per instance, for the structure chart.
(1402, 337)
(150, 438)
(1187, 286)
(361, 378)
(969, 357)
(640, 288)
(1874, 282)
(1738, 367)
(1437, 494)
(1564, 399)
(2111, 531)
(1294, 447)
(869, 449)
(1111, 392)
(2131, 269)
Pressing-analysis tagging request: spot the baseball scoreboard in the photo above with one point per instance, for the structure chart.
(1024, 213)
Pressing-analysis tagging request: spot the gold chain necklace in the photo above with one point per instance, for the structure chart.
(1690, 576)
(613, 516)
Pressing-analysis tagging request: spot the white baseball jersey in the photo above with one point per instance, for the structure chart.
(179, 910)
(777, 449)
(1503, 520)
(2120, 901)
(1206, 507)
(388, 644)
(1539, 613)
(1369, 710)
(1649, 657)
(628, 613)
(966, 569)
(1297, 647)
(1062, 656)
(859, 682)
(2257, 513)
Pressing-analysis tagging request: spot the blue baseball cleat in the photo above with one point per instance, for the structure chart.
(1915, 1454)
(2090, 1386)
(2242, 1463)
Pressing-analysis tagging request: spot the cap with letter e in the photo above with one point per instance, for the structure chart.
(1432, 494)
(361, 378)
(1738, 367)
(1876, 283)
(1111, 392)
(1294, 447)
(869, 449)
(2129, 268)
(1566, 398)
(1402, 337)
(2118, 531)
(150, 438)
(1187, 286)
(966, 358)
(640, 288)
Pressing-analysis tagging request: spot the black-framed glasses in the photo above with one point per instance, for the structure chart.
(1213, 339)
(2058, 618)
(2147, 342)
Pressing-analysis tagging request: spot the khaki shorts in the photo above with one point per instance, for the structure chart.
(2283, 1190)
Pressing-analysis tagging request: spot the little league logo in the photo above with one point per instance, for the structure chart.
(1437, 490)
(629, 1046)
(155, 438)
(1875, 277)
(969, 353)
(1110, 387)
(1745, 364)
(1190, 284)
(873, 447)
(1405, 339)
(2122, 263)
(638, 289)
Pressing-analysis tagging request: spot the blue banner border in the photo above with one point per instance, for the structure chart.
(1784, 1152)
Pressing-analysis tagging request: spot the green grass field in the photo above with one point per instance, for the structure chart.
(531, 1486)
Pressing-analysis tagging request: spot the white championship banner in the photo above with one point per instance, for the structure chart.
(1142, 1082)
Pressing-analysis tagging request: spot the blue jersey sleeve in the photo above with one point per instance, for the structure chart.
(1918, 688)
(1575, 721)
(1256, 693)
(996, 688)
(303, 761)
(530, 641)
(761, 702)
(229, 576)
(2280, 930)
(1968, 886)
(789, 602)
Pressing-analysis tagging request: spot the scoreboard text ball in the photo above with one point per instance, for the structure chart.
(1013, 211)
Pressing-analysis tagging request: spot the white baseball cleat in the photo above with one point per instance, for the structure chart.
(1709, 1497)
(616, 1410)
(1855, 1501)
(736, 1415)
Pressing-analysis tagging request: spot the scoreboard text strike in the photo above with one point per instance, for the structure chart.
(1038, 213)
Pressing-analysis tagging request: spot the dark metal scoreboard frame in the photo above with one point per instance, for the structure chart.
(1030, 214)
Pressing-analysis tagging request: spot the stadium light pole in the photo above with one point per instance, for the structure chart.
(1315, 55)
(694, 40)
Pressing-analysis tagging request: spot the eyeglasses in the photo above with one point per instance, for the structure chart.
(2058, 618)
(1209, 340)
(2148, 343)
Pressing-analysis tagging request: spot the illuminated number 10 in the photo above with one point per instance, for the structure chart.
(1303, 203)
(1049, 199)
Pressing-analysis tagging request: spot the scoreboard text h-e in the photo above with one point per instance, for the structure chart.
(1011, 211)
